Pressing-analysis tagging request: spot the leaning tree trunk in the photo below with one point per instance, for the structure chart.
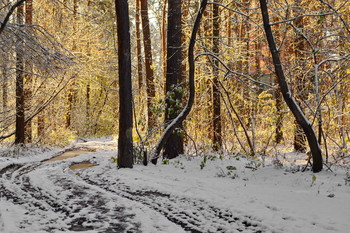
(278, 96)
(292, 104)
(182, 116)
(125, 143)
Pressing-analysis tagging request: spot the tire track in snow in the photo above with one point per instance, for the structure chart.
(80, 208)
(88, 201)
(192, 215)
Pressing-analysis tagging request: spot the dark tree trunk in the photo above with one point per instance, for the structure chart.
(28, 76)
(279, 103)
(299, 142)
(149, 69)
(88, 112)
(292, 104)
(217, 134)
(41, 125)
(300, 82)
(138, 46)
(72, 89)
(174, 145)
(191, 74)
(29, 12)
(125, 143)
(9, 13)
(243, 63)
(164, 37)
(4, 85)
(229, 29)
(277, 93)
(185, 15)
(70, 106)
(41, 119)
(20, 121)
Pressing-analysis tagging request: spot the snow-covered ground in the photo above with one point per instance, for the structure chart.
(230, 194)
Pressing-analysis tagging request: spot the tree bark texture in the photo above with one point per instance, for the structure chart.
(4, 85)
(88, 109)
(216, 104)
(70, 99)
(164, 37)
(292, 104)
(242, 65)
(138, 46)
(125, 143)
(174, 145)
(277, 92)
(9, 13)
(72, 92)
(28, 77)
(20, 121)
(279, 113)
(185, 15)
(149, 63)
(182, 116)
(300, 82)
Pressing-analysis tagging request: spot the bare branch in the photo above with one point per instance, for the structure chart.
(181, 117)
(40, 109)
(7, 17)
(233, 72)
(300, 16)
(336, 12)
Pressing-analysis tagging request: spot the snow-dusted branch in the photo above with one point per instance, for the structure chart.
(41, 108)
(232, 71)
(9, 13)
(182, 116)
(346, 25)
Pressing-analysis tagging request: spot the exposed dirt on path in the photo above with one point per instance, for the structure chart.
(69, 201)
(68, 205)
(82, 165)
(70, 154)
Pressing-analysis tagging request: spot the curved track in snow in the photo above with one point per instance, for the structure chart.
(62, 200)
(192, 215)
(68, 205)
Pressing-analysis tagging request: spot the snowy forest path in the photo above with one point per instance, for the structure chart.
(61, 202)
(70, 200)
